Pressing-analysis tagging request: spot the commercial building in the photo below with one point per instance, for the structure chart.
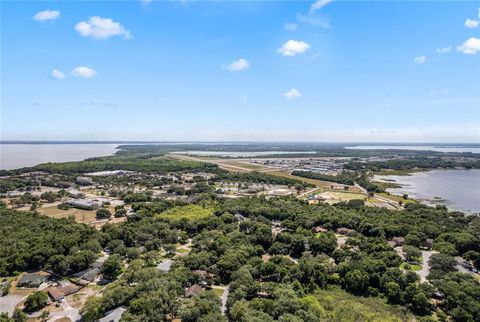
(86, 204)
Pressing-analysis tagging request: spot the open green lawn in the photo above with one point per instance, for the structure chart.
(413, 267)
(190, 212)
(338, 305)
(218, 292)
(397, 198)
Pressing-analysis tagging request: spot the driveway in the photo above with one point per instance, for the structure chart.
(426, 254)
(9, 302)
(68, 311)
(224, 299)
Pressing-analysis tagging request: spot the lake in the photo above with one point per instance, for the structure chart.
(13, 156)
(243, 154)
(437, 148)
(457, 189)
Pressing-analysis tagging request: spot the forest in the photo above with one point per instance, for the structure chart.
(289, 276)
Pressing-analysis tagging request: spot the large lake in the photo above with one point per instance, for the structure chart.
(457, 189)
(438, 148)
(13, 156)
(245, 154)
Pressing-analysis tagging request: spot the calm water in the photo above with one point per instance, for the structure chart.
(241, 154)
(458, 149)
(13, 156)
(457, 189)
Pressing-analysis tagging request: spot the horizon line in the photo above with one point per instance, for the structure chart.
(224, 142)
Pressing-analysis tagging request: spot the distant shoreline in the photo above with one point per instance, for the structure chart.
(345, 144)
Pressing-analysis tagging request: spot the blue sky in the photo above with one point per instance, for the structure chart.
(229, 70)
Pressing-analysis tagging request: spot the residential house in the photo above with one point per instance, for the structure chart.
(319, 229)
(193, 290)
(32, 280)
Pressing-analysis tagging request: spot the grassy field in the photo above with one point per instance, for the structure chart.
(318, 183)
(413, 267)
(218, 292)
(81, 216)
(397, 198)
(338, 305)
(190, 212)
(241, 164)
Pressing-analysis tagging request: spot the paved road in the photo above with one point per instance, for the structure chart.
(308, 192)
(189, 158)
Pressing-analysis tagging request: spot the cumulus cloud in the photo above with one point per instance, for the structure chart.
(84, 72)
(319, 4)
(470, 23)
(290, 26)
(470, 46)
(238, 65)
(292, 93)
(101, 28)
(444, 50)
(293, 47)
(56, 74)
(46, 15)
(420, 59)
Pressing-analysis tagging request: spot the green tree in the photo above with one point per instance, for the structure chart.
(36, 301)
(356, 281)
(112, 267)
(199, 307)
(393, 292)
(92, 310)
(103, 213)
(19, 316)
(44, 316)
(412, 254)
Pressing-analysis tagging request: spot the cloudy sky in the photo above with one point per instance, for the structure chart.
(228, 70)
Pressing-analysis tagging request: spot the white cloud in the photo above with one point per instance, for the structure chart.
(293, 47)
(470, 23)
(238, 65)
(470, 46)
(444, 50)
(314, 20)
(420, 59)
(292, 93)
(83, 71)
(101, 28)
(46, 15)
(56, 74)
(290, 26)
(319, 4)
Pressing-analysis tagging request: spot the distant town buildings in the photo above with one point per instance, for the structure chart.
(84, 181)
